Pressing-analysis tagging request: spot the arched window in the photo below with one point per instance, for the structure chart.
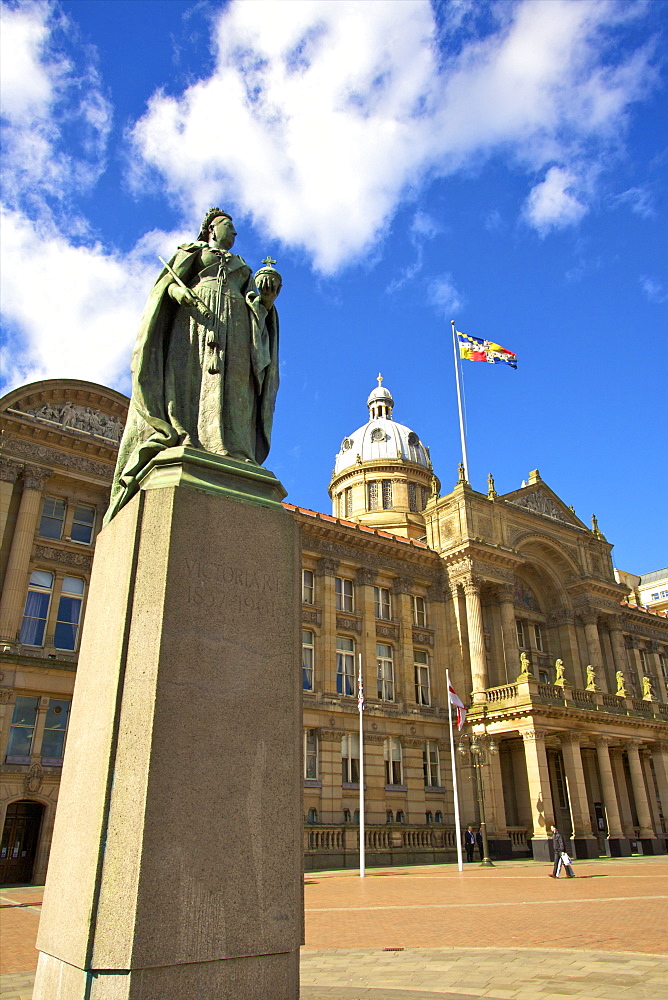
(356, 816)
(438, 818)
(313, 816)
(389, 817)
(346, 815)
(428, 818)
(400, 816)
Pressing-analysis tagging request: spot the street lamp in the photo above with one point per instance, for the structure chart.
(478, 746)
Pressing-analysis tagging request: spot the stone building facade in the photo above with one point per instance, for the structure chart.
(513, 595)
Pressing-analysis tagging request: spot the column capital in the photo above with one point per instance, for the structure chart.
(615, 622)
(560, 616)
(588, 615)
(533, 735)
(365, 577)
(505, 592)
(571, 738)
(402, 585)
(439, 592)
(10, 471)
(602, 741)
(34, 477)
(326, 566)
(471, 585)
(660, 747)
(634, 745)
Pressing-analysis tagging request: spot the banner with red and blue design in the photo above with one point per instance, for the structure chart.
(475, 349)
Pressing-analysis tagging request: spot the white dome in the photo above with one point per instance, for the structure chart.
(381, 438)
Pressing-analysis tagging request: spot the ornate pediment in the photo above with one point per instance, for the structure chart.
(541, 500)
(79, 418)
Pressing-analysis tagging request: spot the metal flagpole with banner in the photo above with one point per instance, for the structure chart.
(458, 828)
(360, 706)
(465, 459)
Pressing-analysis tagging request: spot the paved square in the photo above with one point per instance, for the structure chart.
(506, 933)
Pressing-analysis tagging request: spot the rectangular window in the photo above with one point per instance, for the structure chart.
(393, 769)
(643, 660)
(307, 659)
(345, 665)
(382, 603)
(308, 586)
(561, 784)
(53, 518)
(344, 594)
(55, 727)
(424, 494)
(37, 608)
(69, 613)
(350, 759)
(22, 728)
(421, 664)
(311, 754)
(521, 641)
(83, 524)
(372, 495)
(385, 672)
(431, 765)
(387, 494)
(663, 660)
(538, 636)
(419, 611)
(412, 497)
(348, 501)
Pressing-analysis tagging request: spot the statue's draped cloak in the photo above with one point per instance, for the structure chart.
(175, 399)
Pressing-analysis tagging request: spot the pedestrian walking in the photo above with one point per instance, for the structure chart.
(469, 843)
(560, 855)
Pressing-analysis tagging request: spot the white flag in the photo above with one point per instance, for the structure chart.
(459, 704)
(360, 691)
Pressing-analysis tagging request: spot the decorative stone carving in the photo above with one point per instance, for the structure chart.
(311, 615)
(79, 559)
(374, 739)
(402, 585)
(365, 577)
(540, 503)
(505, 592)
(438, 592)
(525, 667)
(560, 673)
(76, 462)
(33, 779)
(573, 738)
(471, 585)
(591, 679)
(330, 735)
(326, 567)
(488, 569)
(484, 526)
(413, 744)
(647, 692)
(81, 418)
(588, 616)
(621, 684)
(6, 695)
(34, 477)
(423, 638)
(351, 624)
(559, 616)
(533, 735)
(9, 471)
(387, 631)
(338, 551)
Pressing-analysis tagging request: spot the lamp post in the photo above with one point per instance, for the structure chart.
(478, 746)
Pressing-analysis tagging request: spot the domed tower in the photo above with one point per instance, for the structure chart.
(383, 475)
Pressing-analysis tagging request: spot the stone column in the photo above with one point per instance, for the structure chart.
(589, 616)
(329, 750)
(9, 473)
(511, 650)
(540, 792)
(7, 703)
(584, 843)
(16, 577)
(654, 649)
(660, 758)
(325, 665)
(497, 824)
(617, 643)
(643, 812)
(402, 612)
(476, 639)
(619, 845)
(632, 644)
(366, 643)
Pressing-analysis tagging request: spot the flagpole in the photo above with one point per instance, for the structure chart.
(465, 459)
(458, 829)
(360, 705)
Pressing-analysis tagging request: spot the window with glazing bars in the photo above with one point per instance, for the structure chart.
(385, 666)
(421, 662)
(350, 759)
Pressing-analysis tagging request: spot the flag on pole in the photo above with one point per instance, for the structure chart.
(476, 349)
(459, 705)
(360, 691)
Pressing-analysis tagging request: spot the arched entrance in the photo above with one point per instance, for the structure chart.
(18, 846)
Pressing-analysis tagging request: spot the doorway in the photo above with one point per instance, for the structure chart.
(18, 846)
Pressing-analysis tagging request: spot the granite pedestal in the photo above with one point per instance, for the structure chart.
(176, 866)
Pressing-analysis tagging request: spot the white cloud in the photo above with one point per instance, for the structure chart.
(79, 316)
(320, 117)
(45, 91)
(639, 200)
(551, 204)
(444, 295)
(654, 289)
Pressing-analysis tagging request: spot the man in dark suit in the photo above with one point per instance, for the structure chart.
(469, 843)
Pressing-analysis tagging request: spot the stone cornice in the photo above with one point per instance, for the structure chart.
(78, 464)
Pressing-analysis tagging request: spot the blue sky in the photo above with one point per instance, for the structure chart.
(501, 164)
